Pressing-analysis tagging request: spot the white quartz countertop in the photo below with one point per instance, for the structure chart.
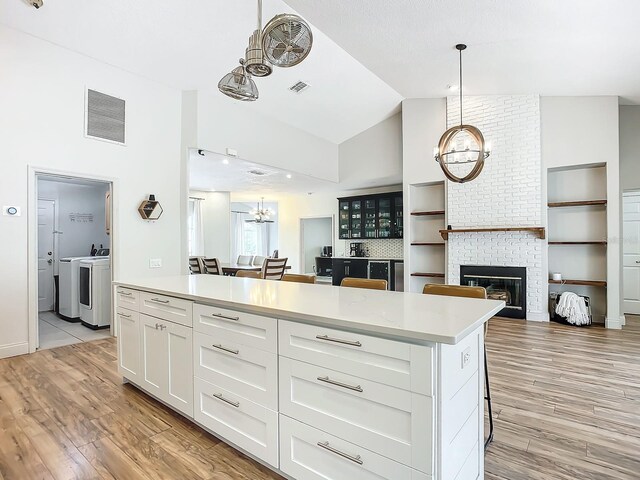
(403, 316)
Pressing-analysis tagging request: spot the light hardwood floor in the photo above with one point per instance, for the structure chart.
(567, 405)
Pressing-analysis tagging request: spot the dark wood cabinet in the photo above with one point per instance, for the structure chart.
(371, 216)
(348, 267)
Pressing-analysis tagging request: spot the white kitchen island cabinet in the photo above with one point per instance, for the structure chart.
(315, 382)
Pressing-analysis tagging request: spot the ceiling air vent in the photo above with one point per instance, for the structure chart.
(105, 117)
(259, 173)
(299, 87)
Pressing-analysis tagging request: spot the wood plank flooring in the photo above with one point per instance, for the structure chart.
(566, 403)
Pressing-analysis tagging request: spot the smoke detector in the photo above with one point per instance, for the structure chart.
(299, 87)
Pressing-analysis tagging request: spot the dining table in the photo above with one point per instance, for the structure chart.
(232, 269)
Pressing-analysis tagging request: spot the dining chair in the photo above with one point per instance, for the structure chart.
(248, 274)
(273, 268)
(212, 266)
(470, 292)
(244, 259)
(258, 261)
(370, 283)
(196, 265)
(298, 278)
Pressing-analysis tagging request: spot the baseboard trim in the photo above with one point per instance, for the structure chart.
(623, 320)
(14, 349)
(613, 324)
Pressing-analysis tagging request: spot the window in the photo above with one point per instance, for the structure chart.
(250, 239)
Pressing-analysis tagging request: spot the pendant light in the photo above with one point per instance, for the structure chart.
(448, 152)
(261, 214)
(239, 85)
(254, 55)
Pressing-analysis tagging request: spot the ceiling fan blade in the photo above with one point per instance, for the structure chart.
(279, 51)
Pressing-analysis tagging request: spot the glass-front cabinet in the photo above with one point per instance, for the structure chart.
(371, 216)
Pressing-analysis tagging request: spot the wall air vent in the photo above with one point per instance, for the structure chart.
(104, 117)
(299, 87)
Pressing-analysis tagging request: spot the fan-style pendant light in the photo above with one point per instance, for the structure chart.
(452, 151)
(285, 42)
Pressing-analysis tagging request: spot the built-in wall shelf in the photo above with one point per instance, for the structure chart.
(584, 203)
(435, 244)
(538, 231)
(431, 275)
(427, 213)
(577, 243)
(586, 283)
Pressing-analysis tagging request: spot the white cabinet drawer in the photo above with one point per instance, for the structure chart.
(172, 309)
(248, 425)
(243, 370)
(386, 420)
(310, 454)
(252, 330)
(385, 361)
(127, 298)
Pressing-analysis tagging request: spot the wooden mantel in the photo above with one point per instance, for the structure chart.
(539, 231)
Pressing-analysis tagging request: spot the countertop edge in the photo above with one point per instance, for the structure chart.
(371, 329)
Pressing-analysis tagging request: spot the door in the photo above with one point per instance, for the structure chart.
(128, 343)
(46, 221)
(339, 270)
(398, 225)
(631, 252)
(180, 354)
(356, 219)
(370, 218)
(153, 345)
(344, 217)
(384, 217)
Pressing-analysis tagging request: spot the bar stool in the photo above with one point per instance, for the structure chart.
(299, 278)
(470, 292)
(370, 283)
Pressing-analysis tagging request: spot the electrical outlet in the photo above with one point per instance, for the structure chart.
(155, 263)
(466, 357)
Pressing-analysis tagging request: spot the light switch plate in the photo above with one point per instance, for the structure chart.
(466, 357)
(155, 263)
(11, 211)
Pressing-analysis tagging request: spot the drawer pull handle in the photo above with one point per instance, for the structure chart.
(160, 326)
(220, 347)
(128, 294)
(157, 300)
(219, 315)
(123, 315)
(326, 446)
(220, 397)
(355, 388)
(327, 338)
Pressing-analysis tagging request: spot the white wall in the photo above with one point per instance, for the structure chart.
(77, 237)
(582, 131)
(225, 123)
(42, 91)
(374, 157)
(630, 147)
(216, 224)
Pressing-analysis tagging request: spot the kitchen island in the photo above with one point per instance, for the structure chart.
(314, 381)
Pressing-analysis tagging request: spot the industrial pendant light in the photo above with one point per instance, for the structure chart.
(254, 55)
(239, 85)
(451, 151)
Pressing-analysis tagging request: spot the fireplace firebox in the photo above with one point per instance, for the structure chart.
(502, 283)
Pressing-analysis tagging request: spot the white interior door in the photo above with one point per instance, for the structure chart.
(46, 221)
(631, 252)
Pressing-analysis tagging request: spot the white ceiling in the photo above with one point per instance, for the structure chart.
(209, 172)
(191, 44)
(550, 47)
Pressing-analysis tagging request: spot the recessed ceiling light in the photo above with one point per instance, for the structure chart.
(453, 88)
(225, 161)
(288, 175)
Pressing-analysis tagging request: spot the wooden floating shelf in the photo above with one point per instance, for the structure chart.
(539, 231)
(586, 283)
(433, 275)
(427, 213)
(428, 243)
(577, 243)
(583, 203)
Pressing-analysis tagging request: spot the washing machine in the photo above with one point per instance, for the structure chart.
(69, 287)
(95, 292)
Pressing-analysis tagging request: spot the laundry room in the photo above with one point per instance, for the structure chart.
(74, 262)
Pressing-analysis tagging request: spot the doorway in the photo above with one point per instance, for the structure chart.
(73, 255)
(631, 251)
(315, 233)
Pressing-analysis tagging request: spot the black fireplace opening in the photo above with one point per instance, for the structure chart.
(502, 283)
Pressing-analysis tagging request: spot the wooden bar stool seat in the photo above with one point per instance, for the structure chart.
(370, 283)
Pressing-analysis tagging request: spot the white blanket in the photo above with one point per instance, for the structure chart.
(573, 308)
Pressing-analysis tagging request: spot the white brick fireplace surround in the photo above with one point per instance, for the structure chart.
(507, 193)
